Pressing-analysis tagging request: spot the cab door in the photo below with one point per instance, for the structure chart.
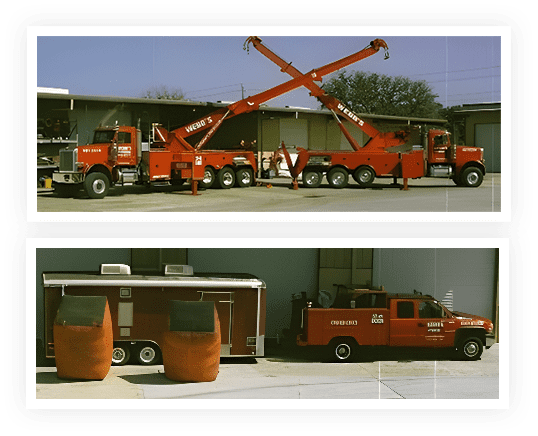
(434, 328)
(126, 149)
(403, 323)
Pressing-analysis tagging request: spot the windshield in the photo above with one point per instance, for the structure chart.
(103, 136)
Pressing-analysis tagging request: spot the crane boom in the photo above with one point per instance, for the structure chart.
(214, 120)
(332, 103)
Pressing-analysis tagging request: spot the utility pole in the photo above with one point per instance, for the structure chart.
(242, 92)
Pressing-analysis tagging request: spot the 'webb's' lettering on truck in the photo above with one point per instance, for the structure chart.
(198, 124)
(350, 114)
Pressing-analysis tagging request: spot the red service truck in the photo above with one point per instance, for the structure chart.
(373, 317)
(139, 307)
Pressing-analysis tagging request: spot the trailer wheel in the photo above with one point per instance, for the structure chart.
(149, 355)
(364, 176)
(120, 355)
(244, 177)
(96, 185)
(343, 350)
(312, 178)
(209, 178)
(338, 178)
(471, 177)
(226, 178)
(471, 349)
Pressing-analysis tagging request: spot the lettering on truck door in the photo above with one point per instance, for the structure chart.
(434, 329)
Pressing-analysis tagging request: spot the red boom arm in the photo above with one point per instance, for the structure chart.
(329, 101)
(213, 121)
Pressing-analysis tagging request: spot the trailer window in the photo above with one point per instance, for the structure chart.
(428, 309)
(405, 309)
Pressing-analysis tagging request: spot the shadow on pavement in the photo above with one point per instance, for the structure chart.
(293, 353)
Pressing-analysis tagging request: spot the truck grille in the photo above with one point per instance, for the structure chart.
(68, 160)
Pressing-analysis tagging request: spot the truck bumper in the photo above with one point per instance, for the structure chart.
(71, 178)
(490, 340)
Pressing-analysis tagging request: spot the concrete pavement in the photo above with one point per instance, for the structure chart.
(286, 377)
(424, 195)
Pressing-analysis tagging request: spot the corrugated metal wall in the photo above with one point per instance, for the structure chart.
(469, 274)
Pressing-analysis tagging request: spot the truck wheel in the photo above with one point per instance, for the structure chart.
(343, 350)
(471, 177)
(120, 355)
(244, 177)
(209, 178)
(312, 179)
(338, 178)
(96, 185)
(471, 349)
(226, 178)
(149, 355)
(364, 176)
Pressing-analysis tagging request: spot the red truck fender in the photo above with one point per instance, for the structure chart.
(470, 342)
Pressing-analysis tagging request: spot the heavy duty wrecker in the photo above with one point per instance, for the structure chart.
(373, 317)
(379, 157)
(117, 155)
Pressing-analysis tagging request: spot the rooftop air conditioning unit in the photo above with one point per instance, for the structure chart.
(178, 270)
(115, 268)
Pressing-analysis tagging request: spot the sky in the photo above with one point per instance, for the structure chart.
(459, 69)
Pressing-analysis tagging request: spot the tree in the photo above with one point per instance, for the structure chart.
(384, 95)
(163, 93)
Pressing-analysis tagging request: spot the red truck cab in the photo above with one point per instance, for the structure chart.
(364, 317)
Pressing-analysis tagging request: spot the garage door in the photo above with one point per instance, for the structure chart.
(488, 136)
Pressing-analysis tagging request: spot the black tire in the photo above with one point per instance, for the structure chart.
(471, 349)
(226, 178)
(343, 350)
(149, 354)
(338, 178)
(312, 178)
(471, 177)
(120, 354)
(244, 177)
(364, 176)
(209, 178)
(96, 185)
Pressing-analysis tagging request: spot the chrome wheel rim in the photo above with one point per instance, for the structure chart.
(147, 354)
(343, 351)
(98, 186)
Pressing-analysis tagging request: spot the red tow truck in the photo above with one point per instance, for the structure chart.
(118, 156)
(373, 317)
(386, 154)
